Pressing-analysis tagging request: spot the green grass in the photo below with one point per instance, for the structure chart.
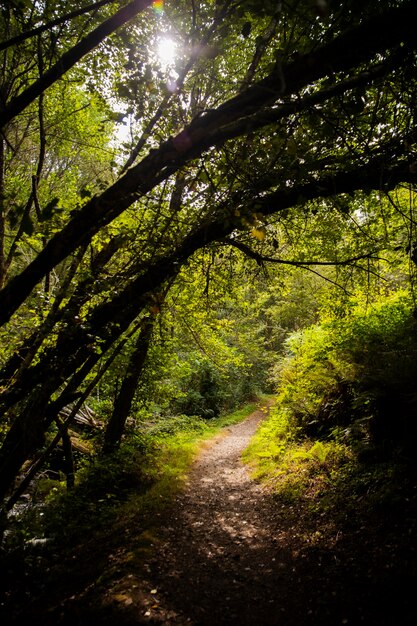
(326, 479)
(294, 467)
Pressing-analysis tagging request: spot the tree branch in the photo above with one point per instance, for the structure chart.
(75, 352)
(260, 258)
(166, 100)
(348, 50)
(275, 114)
(342, 54)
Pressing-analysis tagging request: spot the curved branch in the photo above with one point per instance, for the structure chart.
(328, 280)
(76, 351)
(272, 115)
(344, 53)
(260, 258)
(348, 50)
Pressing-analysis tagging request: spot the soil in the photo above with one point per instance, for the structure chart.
(228, 552)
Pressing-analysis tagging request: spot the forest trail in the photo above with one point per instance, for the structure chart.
(219, 559)
(228, 552)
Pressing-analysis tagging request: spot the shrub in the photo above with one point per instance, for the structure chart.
(357, 374)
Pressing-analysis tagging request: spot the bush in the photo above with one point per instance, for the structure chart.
(208, 391)
(357, 375)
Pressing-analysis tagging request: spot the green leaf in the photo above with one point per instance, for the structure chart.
(85, 193)
(48, 210)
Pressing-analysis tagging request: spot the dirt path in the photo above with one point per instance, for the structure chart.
(219, 560)
(230, 554)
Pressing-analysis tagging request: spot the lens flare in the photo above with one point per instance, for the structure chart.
(166, 50)
(158, 7)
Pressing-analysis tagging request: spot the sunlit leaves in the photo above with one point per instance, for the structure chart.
(258, 233)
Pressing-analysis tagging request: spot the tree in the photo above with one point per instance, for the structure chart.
(267, 110)
(123, 401)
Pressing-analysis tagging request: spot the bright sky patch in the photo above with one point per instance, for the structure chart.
(166, 50)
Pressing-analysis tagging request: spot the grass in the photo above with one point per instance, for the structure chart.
(351, 525)
(169, 468)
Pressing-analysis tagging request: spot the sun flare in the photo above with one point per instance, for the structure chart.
(166, 50)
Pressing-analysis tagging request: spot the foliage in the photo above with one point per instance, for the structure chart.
(329, 487)
(291, 465)
(354, 374)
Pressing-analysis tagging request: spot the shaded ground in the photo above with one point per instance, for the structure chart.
(228, 552)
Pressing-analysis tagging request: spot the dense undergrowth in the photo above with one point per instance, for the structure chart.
(341, 438)
(338, 454)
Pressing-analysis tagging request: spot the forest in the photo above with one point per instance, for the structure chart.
(207, 213)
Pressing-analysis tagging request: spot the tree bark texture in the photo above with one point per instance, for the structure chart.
(124, 399)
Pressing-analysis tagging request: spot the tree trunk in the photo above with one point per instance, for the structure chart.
(124, 399)
(25, 435)
(69, 459)
(109, 320)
